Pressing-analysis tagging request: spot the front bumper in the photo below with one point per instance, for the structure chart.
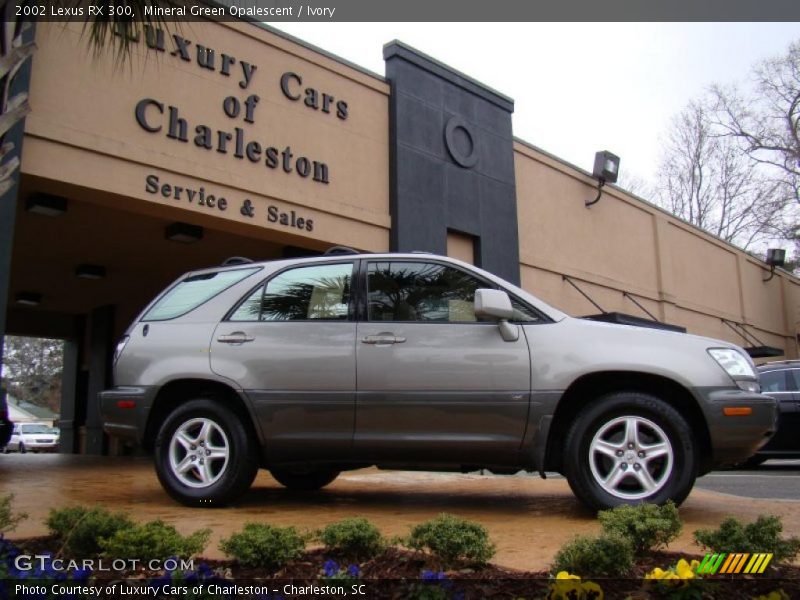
(34, 446)
(125, 410)
(737, 438)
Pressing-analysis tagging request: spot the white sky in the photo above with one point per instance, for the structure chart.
(578, 87)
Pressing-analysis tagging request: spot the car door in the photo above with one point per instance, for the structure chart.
(783, 385)
(290, 345)
(434, 383)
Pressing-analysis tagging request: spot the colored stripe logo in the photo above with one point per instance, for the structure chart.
(734, 563)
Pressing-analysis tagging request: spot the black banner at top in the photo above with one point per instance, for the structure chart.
(416, 10)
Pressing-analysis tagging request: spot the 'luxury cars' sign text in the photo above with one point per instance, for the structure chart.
(155, 116)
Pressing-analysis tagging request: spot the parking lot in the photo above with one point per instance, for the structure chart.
(527, 518)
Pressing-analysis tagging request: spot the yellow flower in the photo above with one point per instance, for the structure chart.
(774, 595)
(684, 570)
(593, 590)
(656, 573)
(566, 575)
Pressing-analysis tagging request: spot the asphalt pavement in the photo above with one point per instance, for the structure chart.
(779, 479)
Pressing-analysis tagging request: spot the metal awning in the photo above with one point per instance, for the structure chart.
(757, 348)
(624, 318)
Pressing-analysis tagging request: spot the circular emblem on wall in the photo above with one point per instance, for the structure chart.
(460, 142)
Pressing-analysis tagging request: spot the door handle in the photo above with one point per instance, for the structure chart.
(383, 339)
(237, 337)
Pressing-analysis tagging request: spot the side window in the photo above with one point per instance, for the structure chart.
(773, 381)
(523, 313)
(414, 291)
(301, 294)
(794, 380)
(193, 292)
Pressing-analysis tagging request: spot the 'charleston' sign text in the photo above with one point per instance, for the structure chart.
(155, 116)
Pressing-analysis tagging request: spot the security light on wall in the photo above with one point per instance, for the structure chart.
(29, 298)
(606, 169)
(776, 257)
(46, 204)
(90, 271)
(184, 233)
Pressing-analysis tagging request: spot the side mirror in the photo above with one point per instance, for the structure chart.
(496, 304)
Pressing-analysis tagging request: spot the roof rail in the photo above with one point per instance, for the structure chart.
(337, 250)
(236, 260)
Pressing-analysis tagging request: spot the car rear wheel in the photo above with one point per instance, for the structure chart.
(304, 479)
(629, 448)
(204, 454)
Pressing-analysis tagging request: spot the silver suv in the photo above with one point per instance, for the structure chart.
(308, 367)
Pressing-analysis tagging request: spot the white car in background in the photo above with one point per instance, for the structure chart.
(33, 437)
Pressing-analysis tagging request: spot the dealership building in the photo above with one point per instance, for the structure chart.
(229, 139)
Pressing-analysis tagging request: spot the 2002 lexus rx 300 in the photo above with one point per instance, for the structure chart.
(311, 366)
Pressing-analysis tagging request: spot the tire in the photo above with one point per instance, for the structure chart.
(229, 466)
(304, 479)
(602, 479)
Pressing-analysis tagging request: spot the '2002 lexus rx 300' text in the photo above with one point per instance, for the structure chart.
(312, 366)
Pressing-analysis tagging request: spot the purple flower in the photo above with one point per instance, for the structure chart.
(330, 568)
(353, 571)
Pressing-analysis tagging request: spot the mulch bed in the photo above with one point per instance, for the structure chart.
(397, 574)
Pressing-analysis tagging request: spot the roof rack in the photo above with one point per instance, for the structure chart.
(236, 260)
(337, 250)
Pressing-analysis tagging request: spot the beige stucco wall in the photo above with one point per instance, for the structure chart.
(82, 131)
(679, 273)
(82, 140)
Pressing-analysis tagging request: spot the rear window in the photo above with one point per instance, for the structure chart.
(194, 291)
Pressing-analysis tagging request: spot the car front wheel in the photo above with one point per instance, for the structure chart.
(628, 448)
(204, 455)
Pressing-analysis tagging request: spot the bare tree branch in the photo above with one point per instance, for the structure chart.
(706, 178)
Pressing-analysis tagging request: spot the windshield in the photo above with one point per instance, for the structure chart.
(36, 428)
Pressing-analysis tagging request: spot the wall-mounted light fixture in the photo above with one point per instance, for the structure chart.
(29, 298)
(90, 271)
(46, 204)
(606, 169)
(776, 257)
(184, 233)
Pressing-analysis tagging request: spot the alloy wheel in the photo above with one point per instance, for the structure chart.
(631, 457)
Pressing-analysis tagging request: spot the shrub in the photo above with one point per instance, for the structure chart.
(763, 535)
(647, 526)
(155, 539)
(79, 530)
(9, 519)
(450, 539)
(355, 537)
(264, 546)
(607, 555)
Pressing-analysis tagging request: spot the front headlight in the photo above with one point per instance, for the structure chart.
(735, 364)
